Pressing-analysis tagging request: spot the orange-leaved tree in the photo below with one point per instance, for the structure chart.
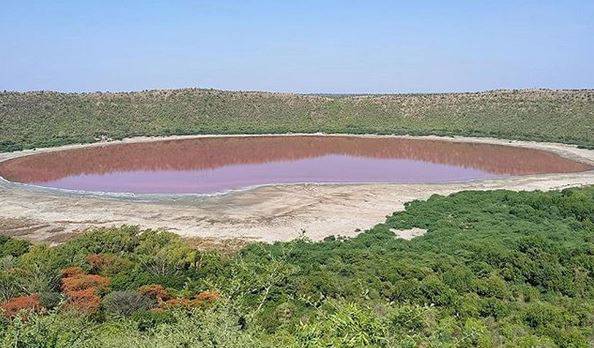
(198, 300)
(15, 305)
(156, 292)
(83, 290)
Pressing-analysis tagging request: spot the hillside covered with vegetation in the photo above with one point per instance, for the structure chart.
(41, 119)
(495, 268)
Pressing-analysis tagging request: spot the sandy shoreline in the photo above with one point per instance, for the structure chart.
(268, 213)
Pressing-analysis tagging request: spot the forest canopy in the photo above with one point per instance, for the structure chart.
(495, 268)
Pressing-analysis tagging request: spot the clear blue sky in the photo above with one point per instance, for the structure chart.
(298, 46)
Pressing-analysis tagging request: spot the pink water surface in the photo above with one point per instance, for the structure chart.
(325, 169)
(212, 165)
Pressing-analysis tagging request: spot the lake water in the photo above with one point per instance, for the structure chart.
(219, 164)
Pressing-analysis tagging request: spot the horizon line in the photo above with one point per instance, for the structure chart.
(154, 90)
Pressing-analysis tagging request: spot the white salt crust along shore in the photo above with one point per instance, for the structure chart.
(267, 213)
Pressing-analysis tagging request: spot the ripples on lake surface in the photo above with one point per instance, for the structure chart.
(218, 164)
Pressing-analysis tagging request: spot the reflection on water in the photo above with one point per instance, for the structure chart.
(218, 164)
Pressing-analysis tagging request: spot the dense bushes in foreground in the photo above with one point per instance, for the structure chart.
(495, 268)
(43, 119)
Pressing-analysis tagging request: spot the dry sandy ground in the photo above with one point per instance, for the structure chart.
(271, 213)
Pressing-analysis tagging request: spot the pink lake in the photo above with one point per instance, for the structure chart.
(219, 164)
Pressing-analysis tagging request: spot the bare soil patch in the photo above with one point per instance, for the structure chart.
(410, 233)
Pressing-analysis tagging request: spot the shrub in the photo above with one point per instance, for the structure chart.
(82, 290)
(200, 299)
(86, 301)
(109, 264)
(409, 319)
(207, 296)
(9, 285)
(126, 303)
(50, 300)
(349, 326)
(180, 302)
(72, 272)
(156, 292)
(15, 305)
(39, 269)
(51, 330)
(83, 282)
(112, 240)
(97, 261)
(75, 279)
(13, 247)
(476, 334)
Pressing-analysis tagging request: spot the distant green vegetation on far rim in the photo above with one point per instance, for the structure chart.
(42, 119)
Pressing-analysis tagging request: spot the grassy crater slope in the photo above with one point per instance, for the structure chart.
(39, 119)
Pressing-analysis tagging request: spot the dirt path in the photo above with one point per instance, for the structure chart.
(270, 213)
